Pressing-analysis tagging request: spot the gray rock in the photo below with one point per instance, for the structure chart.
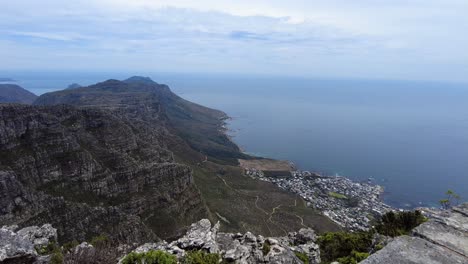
(305, 235)
(200, 236)
(444, 235)
(39, 236)
(443, 239)
(279, 254)
(15, 248)
(414, 250)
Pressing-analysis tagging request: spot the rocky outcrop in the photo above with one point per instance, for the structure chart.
(12, 93)
(241, 248)
(20, 246)
(443, 239)
(90, 172)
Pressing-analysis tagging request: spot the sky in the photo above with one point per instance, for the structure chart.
(389, 39)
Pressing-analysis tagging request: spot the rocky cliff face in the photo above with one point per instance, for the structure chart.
(12, 93)
(92, 171)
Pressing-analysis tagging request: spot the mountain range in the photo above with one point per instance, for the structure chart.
(135, 162)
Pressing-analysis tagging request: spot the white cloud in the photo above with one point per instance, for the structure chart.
(363, 38)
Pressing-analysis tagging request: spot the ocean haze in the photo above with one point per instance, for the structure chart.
(411, 137)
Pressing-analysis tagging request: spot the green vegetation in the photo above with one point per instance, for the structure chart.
(201, 257)
(303, 257)
(354, 258)
(67, 247)
(50, 248)
(337, 195)
(448, 202)
(161, 257)
(99, 240)
(344, 245)
(266, 248)
(350, 248)
(150, 257)
(401, 223)
(57, 258)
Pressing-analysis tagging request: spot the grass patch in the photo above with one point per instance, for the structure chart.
(337, 195)
(303, 257)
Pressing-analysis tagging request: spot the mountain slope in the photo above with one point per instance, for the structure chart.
(196, 137)
(91, 171)
(12, 93)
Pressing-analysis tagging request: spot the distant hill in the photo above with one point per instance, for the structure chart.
(6, 80)
(12, 93)
(74, 86)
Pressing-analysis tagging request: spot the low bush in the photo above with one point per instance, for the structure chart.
(266, 248)
(150, 257)
(342, 244)
(200, 257)
(354, 258)
(401, 223)
(303, 257)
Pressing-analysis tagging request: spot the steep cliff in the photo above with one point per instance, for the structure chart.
(90, 171)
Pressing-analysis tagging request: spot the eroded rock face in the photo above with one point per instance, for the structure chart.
(241, 248)
(90, 172)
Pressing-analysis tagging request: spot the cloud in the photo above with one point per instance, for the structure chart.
(363, 38)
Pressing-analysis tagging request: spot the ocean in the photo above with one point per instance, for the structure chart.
(409, 136)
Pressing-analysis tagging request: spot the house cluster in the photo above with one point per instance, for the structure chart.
(350, 204)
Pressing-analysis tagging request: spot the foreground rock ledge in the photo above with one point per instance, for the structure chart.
(443, 239)
(241, 248)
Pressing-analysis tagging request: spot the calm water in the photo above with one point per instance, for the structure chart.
(411, 137)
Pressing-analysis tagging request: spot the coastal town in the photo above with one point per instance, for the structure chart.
(351, 205)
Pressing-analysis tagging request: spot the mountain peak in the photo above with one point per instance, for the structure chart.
(140, 79)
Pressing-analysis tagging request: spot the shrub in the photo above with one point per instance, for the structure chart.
(354, 258)
(50, 248)
(401, 223)
(99, 240)
(57, 258)
(67, 247)
(342, 244)
(150, 257)
(200, 257)
(303, 257)
(266, 248)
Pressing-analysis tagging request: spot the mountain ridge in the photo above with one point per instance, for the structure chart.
(13, 93)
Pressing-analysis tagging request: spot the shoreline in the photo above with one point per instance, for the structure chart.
(352, 205)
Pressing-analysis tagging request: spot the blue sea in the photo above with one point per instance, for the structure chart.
(409, 136)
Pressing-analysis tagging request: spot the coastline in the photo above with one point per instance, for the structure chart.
(352, 205)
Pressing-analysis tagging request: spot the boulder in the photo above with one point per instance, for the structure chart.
(15, 248)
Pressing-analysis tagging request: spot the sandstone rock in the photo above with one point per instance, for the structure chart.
(15, 248)
(443, 239)
(414, 250)
(305, 235)
(199, 236)
(39, 236)
(279, 254)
